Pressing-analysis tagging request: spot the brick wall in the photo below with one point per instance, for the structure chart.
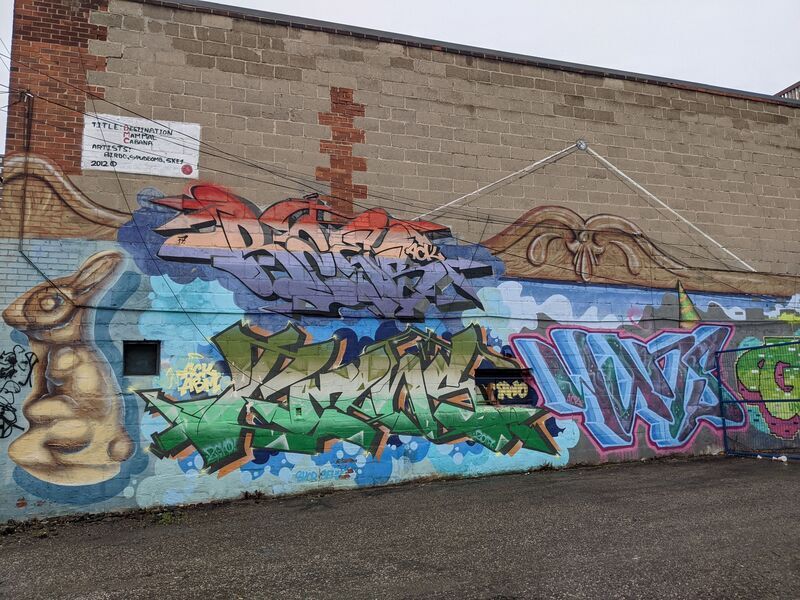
(51, 55)
(340, 148)
(438, 124)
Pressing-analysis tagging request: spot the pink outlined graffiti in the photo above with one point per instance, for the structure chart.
(613, 380)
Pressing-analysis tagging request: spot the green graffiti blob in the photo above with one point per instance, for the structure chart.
(773, 373)
(290, 394)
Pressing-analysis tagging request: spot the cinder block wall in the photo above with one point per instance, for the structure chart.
(438, 124)
(613, 323)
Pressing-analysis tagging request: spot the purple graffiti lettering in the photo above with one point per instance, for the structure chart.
(614, 380)
(303, 257)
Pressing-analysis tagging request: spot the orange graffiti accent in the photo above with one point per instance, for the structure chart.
(211, 217)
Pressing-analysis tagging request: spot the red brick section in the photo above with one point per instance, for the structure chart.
(52, 37)
(340, 148)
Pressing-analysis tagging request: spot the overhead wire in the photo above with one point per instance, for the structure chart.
(355, 203)
(311, 184)
(611, 280)
(301, 183)
(255, 164)
(240, 160)
(627, 181)
(94, 96)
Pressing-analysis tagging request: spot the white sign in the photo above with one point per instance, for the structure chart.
(128, 145)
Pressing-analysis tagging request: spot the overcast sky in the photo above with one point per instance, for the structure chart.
(741, 44)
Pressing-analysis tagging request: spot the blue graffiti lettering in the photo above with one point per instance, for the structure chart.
(612, 379)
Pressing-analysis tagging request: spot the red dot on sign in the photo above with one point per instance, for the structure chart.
(187, 169)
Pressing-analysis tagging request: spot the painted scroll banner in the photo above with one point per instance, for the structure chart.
(129, 145)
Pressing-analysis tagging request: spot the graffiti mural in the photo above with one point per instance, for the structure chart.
(614, 380)
(74, 410)
(51, 197)
(773, 373)
(290, 394)
(304, 258)
(307, 342)
(15, 374)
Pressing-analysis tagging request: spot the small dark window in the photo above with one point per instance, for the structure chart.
(141, 358)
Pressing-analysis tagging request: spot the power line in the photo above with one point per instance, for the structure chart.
(612, 280)
(508, 178)
(93, 96)
(651, 196)
(493, 220)
(239, 160)
(255, 164)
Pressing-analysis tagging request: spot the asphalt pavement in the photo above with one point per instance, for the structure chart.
(713, 528)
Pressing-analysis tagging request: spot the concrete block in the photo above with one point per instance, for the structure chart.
(216, 21)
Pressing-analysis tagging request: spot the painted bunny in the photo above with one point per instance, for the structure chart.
(75, 409)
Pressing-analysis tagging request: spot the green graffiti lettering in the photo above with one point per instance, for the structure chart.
(291, 394)
(773, 373)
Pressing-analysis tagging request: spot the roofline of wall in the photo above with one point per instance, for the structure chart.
(260, 16)
(789, 89)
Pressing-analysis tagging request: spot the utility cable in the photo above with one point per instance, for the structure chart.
(493, 220)
(612, 280)
(651, 196)
(251, 163)
(235, 158)
(507, 179)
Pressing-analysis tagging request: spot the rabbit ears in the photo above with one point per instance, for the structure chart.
(94, 275)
